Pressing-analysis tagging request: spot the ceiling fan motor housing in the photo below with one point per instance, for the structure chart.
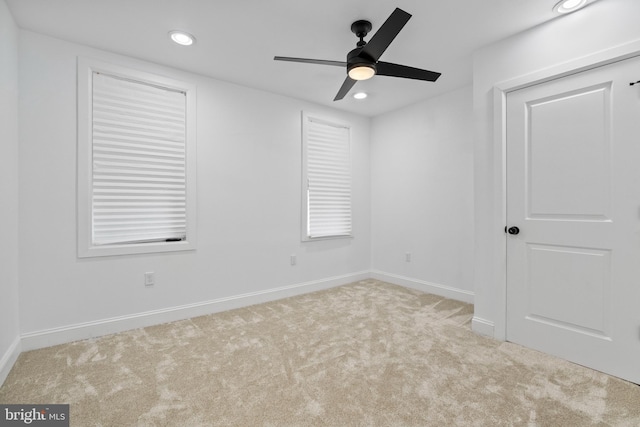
(356, 59)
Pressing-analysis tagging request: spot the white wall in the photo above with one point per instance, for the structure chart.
(602, 25)
(422, 195)
(249, 190)
(9, 331)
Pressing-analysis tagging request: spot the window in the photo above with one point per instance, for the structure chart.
(136, 162)
(326, 179)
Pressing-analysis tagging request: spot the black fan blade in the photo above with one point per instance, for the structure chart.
(385, 35)
(346, 87)
(311, 61)
(395, 70)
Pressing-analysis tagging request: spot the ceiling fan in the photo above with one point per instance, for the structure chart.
(362, 62)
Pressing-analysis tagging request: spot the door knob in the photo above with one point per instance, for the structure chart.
(513, 230)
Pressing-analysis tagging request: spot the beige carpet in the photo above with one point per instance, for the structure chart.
(365, 354)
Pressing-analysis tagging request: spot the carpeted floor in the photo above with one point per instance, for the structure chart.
(364, 354)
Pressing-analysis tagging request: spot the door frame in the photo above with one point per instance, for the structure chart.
(500, 91)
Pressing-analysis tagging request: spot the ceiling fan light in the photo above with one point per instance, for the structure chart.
(362, 72)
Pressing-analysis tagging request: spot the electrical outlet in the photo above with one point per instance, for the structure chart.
(293, 259)
(407, 256)
(149, 278)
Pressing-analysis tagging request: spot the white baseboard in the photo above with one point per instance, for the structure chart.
(9, 359)
(482, 326)
(422, 285)
(65, 334)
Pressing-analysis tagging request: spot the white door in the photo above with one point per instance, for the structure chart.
(573, 191)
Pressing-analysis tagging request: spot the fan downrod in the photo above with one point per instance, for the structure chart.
(361, 28)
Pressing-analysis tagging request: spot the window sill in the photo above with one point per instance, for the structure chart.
(135, 248)
(314, 239)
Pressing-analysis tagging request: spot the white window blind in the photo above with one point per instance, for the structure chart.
(138, 162)
(328, 176)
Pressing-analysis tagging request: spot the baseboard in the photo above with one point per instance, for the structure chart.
(483, 326)
(422, 285)
(9, 359)
(55, 336)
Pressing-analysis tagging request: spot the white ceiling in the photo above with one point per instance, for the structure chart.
(237, 40)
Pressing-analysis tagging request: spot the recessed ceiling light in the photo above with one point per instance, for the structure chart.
(360, 95)
(568, 6)
(182, 38)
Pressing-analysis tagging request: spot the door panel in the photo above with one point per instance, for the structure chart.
(573, 189)
(569, 132)
(576, 275)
